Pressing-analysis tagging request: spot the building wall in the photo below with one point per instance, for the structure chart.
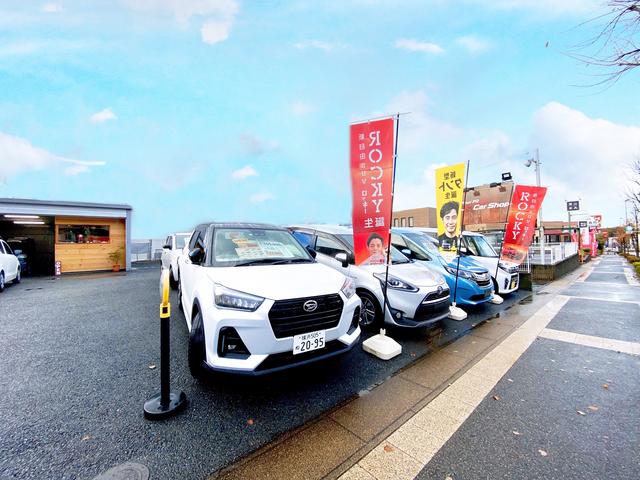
(82, 257)
(422, 217)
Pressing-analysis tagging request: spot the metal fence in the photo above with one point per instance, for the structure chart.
(553, 253)
(146, 249)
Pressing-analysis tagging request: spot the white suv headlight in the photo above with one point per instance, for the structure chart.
(348, 288)
(395, 283)
(235, 300)
(461, 273)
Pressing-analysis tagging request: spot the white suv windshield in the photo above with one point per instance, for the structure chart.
(181, 241)
(479, 246)
(254, 246)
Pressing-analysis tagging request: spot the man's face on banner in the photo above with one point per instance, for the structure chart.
(450, 221)
(376, 247)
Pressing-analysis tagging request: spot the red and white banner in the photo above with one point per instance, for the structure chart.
(521, 224)
(371, 188)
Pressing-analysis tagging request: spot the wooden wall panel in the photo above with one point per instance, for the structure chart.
(85, 257)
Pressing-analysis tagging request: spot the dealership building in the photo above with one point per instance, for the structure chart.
(75, 236)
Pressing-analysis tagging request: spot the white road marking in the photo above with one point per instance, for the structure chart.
(632, 348)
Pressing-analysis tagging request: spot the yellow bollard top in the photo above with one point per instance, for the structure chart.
(165, 306)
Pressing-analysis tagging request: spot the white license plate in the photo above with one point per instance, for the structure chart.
(308, 342)
(514, 283)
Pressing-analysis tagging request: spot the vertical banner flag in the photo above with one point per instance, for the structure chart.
(449, 197)
(371, 188)
(521, 223)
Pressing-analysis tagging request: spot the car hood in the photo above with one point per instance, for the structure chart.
(280, 282)
(418, 275)
(467, 264)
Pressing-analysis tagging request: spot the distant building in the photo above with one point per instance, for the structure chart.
(415, 217)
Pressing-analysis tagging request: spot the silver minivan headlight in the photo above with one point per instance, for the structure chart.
(235, 300)
(395, 283)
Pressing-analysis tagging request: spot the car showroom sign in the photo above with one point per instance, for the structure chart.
(486, 207)
(371, 160)
(525, 203)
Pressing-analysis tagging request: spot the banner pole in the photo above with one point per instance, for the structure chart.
(464, 201)
(503, 234)
(393, 183)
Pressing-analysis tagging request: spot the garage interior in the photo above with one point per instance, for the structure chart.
(36, 233)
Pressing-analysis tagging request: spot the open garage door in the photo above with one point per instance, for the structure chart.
(34, 236)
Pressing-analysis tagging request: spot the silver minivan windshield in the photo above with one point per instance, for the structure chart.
(236, 247)
(479, 246)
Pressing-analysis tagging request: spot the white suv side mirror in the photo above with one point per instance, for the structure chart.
(342, 258)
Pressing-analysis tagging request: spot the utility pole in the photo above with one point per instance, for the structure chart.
(536, 161)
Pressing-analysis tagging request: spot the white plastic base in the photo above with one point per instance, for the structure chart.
(382, 346)
(496, 299)
(456, 313)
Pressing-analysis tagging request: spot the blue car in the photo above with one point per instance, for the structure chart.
(474, 281)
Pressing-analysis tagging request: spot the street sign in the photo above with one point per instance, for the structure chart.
(582, 224)
(573, 206)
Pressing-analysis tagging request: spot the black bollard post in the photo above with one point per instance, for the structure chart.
(166, 403)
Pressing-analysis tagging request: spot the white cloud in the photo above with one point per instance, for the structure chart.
(18, 155)
(417, 46)
(546, 7)
(301, 109)
(217, 16)
(244, 172)
(254, 145)
(318, 45)
(261, 197)
(418, 193)
(103, 116)
(51, 8)
(474, 44)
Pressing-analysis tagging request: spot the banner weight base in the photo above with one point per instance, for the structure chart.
(155, 409)
(382, 346)
(456, 313)
(496, 299)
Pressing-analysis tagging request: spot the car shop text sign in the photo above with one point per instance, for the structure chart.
(486, 207)
(525, 203)
(371, 188)
(449, 197)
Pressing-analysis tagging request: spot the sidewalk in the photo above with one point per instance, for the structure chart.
(455, 414)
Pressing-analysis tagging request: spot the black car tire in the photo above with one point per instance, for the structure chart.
(173, 283)
(18, 277)
(370, 314)
(1, 281)
(180, 296)
(196, 351)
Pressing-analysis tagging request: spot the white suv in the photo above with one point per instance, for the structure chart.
(255, 301)
(416, 295)
(9, 265)
(172, 249)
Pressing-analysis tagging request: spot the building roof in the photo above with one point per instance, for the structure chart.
(53, 203)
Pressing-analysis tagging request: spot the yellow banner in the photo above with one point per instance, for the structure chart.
(449, 195)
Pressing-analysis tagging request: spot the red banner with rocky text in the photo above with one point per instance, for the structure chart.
(371, 188)
(521, 224)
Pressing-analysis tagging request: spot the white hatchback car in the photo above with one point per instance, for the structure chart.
(172, 249)
(9, 266)
(416, 295)
(256, 301)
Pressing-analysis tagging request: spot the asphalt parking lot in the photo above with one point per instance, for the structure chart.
(75, 374)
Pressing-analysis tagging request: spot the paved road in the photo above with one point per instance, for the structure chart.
(564, 409)
(75, 373)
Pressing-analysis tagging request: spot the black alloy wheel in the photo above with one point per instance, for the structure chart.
(196, 351)
(370, 314)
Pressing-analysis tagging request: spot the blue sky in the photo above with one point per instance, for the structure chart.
(193, 110)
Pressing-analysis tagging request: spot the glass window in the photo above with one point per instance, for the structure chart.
(83, 234)
(328, 246)
(411, 221)
(403, 222)
(304, 238)
(395, 222)
(479, 246)
(246, 246)
(181, 241)
(2, 249)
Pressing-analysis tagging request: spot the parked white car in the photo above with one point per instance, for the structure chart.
(416, 295)
(505, 275)
(255, 301)
(9, 266)
(172, 249)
